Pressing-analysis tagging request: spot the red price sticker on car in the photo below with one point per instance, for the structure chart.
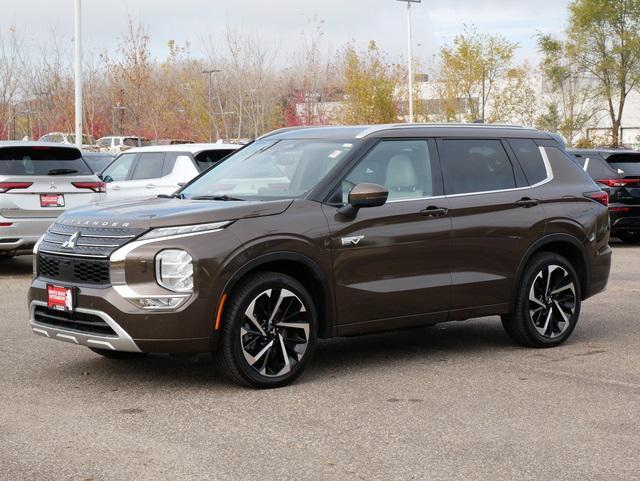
(59, 298)
(51, 200)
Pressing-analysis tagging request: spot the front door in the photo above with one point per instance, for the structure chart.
(391, 263)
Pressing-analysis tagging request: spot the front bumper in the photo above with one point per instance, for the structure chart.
(119, 341)
(188, 329)
(22, 235)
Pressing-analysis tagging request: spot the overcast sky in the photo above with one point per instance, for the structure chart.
(281, 22)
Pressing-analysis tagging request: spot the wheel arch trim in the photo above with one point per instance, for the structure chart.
(552, 239)
(326, 326)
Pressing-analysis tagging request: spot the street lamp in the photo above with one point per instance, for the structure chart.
(410, 55)
(210, 73)
(78, 71)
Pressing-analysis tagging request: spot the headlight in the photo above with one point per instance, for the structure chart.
(185, 229)
(174, 270)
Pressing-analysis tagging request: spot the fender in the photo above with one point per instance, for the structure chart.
(548, 239)
(326, 327)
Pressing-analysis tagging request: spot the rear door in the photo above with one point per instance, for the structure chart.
(495, 217)
(44, 181)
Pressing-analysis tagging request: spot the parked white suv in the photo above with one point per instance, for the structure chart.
(160, 169)
(38, 182)
(67, 139)
(118, 144)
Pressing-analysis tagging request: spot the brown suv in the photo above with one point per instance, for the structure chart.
(339, 231)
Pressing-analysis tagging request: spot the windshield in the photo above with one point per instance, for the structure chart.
(271, 169)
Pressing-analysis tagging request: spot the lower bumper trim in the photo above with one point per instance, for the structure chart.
(120, 342)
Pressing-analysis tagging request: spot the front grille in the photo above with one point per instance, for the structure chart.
(75, 270)
(75, 321)
(88, 241)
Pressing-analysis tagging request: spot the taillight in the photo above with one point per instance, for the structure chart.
(6, 224)
(94, 186)
(600, 196)
(618, 182)
(7, 186)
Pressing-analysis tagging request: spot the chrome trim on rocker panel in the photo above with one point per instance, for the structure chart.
(121, 342)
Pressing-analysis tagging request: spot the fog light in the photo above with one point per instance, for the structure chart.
(157, 302)
(174, 270)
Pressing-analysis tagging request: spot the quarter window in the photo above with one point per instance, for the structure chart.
(530, 159)
(149, 166)
(475, 166)
(402, 166)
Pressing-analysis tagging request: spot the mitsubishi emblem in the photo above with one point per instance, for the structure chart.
(53, 186)
(71, 243)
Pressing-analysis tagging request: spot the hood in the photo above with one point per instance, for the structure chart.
(159, 212)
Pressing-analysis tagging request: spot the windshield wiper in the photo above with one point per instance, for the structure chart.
(172, 196)
(225, 198)
(62, 171)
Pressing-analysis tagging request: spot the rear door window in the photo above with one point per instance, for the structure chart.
(42, 161)
(475, 165)
(530, 158)
(149, 166)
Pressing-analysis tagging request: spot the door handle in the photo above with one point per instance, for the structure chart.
(526, 202)
(115, 187)
(433, 211)
(150, 186)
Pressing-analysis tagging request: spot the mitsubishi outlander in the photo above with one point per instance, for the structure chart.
(314, 233)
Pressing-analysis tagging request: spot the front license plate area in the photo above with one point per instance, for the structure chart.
(51, 200)
(60, 298)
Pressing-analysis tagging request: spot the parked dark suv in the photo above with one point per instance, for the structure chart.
(329, 232)
(617, 172)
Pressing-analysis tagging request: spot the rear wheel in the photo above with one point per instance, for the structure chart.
(117, 354)
(268, 333)
(547, 304)
(629, 236)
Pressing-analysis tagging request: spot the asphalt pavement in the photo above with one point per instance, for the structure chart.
(454, 401)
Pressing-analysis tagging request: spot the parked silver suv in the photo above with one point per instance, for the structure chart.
(39, 181)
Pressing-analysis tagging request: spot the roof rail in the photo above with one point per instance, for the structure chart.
(379, 128)
(286, 129)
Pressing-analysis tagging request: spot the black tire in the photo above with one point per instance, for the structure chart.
(541, 322)
(117, 354)
(279, 353)
(628, 236)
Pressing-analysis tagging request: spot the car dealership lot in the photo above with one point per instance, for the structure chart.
(456, 401)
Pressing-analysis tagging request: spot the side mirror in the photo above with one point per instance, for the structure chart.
(107, 179)
(362, 196)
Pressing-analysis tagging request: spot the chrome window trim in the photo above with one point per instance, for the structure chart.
(549, 178)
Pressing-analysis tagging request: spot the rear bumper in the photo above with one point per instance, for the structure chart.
(600, 269)
(22, 234)
(623, 219)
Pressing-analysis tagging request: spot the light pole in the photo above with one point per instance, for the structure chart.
(210, 73)
(410, 55)
(78, 71)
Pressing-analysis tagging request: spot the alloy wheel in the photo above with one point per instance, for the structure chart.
(274, 333)
(552, 301)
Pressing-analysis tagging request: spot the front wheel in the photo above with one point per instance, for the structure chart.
(629, 237)
(547, 306)
(268, 333)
